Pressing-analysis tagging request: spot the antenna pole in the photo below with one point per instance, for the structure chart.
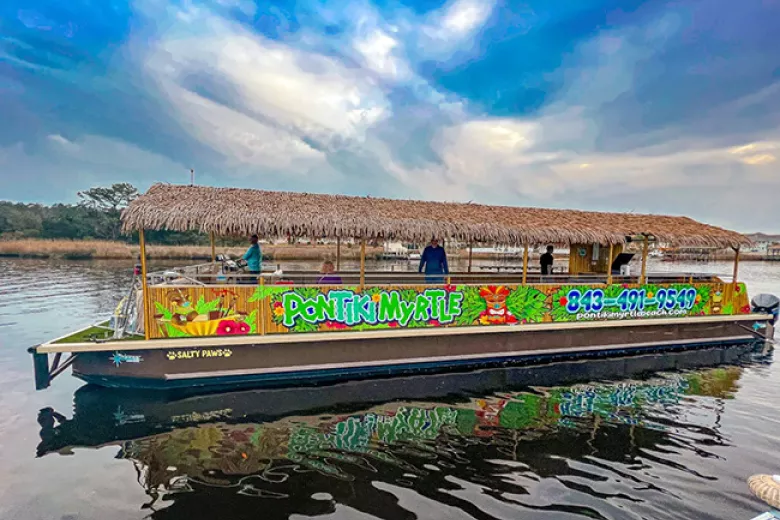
(192, 177)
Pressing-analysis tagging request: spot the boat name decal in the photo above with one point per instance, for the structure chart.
(198, 353)
(350, 308)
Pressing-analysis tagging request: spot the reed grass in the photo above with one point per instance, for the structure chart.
(101, 249)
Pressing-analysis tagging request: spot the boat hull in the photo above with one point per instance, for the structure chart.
(301, 359)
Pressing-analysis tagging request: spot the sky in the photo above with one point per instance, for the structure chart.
(668, 107)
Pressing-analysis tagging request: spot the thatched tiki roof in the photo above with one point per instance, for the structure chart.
(230, 211)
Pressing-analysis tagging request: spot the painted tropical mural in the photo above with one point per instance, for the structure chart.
(244, 310)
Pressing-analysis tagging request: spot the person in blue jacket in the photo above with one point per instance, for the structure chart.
(434, 261)
(253, 257)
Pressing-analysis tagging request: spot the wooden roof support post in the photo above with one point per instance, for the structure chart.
(362, 263)
(263, 305)
(736, 266)
(470, 252)
(145, 286)
(213, 248)
(338, 254)
(609, 265)
(525, 264)
(643, 278)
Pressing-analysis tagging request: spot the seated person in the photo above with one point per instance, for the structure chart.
(329, 276)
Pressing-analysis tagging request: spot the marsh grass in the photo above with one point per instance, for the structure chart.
(101, 249)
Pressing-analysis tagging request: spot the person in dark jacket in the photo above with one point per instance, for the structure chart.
(546, 261)
(434, 261)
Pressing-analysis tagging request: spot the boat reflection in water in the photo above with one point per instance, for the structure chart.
(434, 434)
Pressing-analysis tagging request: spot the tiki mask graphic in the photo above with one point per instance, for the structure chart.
(488, 416)
(497, 311)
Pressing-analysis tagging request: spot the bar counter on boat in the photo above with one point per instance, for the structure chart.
(201, 326)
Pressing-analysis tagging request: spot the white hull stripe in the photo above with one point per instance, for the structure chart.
(324, 337)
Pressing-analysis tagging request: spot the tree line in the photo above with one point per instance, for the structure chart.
(95, 217)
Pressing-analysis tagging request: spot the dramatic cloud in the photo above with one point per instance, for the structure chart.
(661, 107)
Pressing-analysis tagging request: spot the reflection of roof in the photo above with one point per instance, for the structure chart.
(227, 211)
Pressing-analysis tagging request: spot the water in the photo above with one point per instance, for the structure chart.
(675, 444)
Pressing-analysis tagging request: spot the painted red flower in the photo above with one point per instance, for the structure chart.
(393, 324)
(335, 325)
(625, 286)
(434, 323)
(745, 309)
(563, 301)
(243, 328)
(277, 305)
(737, 289)
(450, 288)
(228, 328)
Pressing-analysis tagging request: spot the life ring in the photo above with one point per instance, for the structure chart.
(767, 488)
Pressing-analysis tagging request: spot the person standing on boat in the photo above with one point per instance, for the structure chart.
(546, 261)
(434, 261)
(253, 257)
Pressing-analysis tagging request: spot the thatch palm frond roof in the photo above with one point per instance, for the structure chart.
(232, 211)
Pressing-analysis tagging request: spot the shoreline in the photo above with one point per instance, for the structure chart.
(107, 250)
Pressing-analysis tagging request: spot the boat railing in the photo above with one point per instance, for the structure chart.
(382, 278)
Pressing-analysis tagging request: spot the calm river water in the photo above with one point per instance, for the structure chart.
(621, 443)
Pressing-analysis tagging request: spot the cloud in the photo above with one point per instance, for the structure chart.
(474, 99)
(376, 49)
(454, 26)
(757, 153)
(269, 104)
(65, 144)
(578, 150)
(72, 165)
